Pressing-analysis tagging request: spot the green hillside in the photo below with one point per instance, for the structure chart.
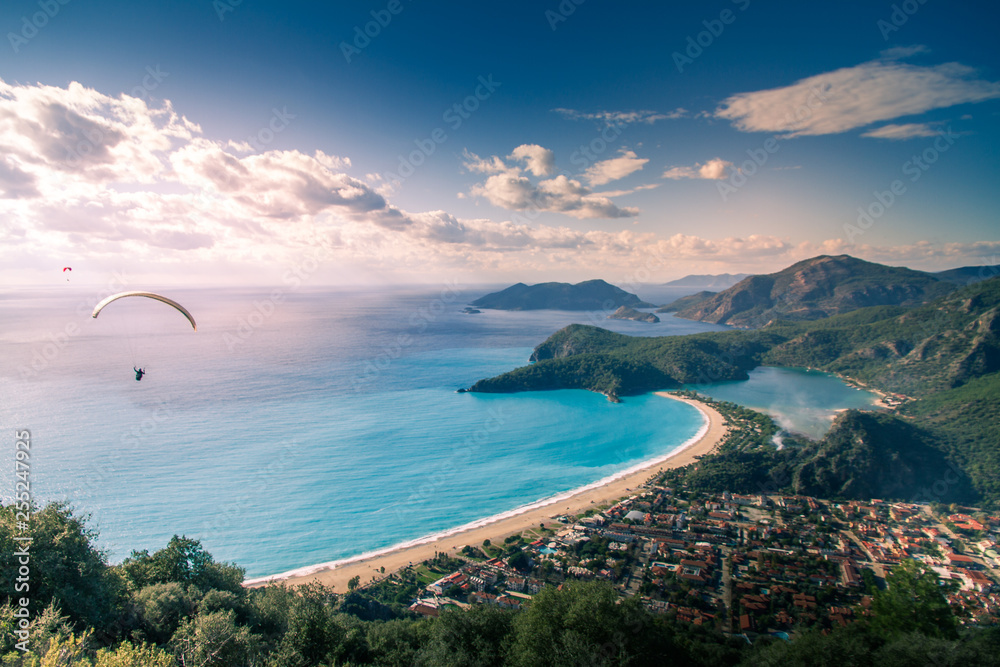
(941, 359)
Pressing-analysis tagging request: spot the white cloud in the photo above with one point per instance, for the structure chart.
(622, 117)
(715, 169)
(900, 52)
(606, 171)
(540, 161)
(622, 193)
(275, 184)
(514, 191)
(474, 163)
(153, 194)
(853, 97)
(511, 188)
(905, 131)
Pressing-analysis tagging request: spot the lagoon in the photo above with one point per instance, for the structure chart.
(798, 399)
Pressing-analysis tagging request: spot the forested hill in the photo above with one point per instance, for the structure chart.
(914, 351)
(588, 295)
(944, 355)
(812, 289)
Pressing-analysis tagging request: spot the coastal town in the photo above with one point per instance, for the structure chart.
(741, 564)
(744, 564)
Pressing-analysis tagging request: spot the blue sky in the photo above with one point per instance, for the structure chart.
(212, 142)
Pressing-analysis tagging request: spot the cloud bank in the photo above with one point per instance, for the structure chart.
(114, 180)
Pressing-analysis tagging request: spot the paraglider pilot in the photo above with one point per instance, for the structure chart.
(138, 373)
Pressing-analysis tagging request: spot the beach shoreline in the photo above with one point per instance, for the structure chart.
(495, 528)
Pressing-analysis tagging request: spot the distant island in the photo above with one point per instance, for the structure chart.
(588, 295)
(471, 311)
(710, 282)
(627, 313)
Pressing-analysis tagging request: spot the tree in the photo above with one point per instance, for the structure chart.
(914, 602)
(474, 637)
(163, 607)
(129, 655)
(310, 634)
(214, 639)
(353, 582)
(585, 623)
(520, 561)
(184, 561)
(66, 568)
(395, 643)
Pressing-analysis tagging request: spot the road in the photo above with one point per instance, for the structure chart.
(874, 564)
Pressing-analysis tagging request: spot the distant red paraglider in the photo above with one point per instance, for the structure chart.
(67, 268)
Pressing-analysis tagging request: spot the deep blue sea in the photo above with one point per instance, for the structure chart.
(299, 427)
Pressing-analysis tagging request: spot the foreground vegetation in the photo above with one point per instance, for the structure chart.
(179, 607)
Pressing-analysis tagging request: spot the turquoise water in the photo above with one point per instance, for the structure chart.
(316, 426)
(800, 400)
(331, 429)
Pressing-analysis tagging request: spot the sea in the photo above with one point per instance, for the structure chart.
(302, 426)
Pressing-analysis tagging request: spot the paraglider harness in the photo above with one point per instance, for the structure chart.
(138, 373)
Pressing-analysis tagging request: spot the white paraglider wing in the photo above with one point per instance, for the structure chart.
(148, 295)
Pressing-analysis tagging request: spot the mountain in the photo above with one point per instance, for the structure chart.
(627, 313)
(686, 302)
(812, 289)
(710, 282)
(914, 351)
(967, 275)
(942, 359)
(588, 295)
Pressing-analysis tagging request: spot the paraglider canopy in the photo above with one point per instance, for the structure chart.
(148, 295)
(67, 268)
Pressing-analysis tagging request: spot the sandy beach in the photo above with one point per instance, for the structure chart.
(337, 575)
